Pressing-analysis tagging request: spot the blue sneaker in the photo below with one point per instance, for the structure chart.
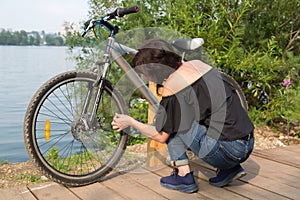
(225, 176)
(182, 183)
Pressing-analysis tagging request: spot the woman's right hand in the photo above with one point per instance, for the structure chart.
(120, 122)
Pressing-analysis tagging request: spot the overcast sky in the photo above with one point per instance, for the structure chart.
(38, 15)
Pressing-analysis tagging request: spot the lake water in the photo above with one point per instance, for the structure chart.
(22, 71)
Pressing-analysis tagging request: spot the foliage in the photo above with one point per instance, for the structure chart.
(138, 109)
(4, 162)
(30, 178)
(53, 40)
(52, 154)
(256, 42)
(277, 19)
(68, 163)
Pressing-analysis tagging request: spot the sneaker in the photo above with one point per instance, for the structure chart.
(225, 176)
(182, 183)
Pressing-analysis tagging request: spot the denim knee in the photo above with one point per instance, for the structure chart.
(229, 154)
(177, 149)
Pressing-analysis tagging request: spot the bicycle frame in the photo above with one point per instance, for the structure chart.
(112, 53)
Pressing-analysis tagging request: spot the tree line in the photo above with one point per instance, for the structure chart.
(34, 38)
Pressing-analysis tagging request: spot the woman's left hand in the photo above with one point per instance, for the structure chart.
(120, 122)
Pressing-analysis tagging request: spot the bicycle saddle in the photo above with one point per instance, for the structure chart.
(188, 44)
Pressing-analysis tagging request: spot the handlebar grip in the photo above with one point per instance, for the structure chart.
(125, 11)
(120, 12)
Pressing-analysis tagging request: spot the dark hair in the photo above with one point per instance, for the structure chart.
(159, 58)
(157, 51)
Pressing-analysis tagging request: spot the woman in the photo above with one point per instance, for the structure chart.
(199, 111)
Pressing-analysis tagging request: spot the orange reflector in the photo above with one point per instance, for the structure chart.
(47, 130)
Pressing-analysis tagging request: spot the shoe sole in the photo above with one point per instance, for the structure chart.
(182, 188)
(228, 180)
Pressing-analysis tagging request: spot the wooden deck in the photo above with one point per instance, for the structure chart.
(271, 174)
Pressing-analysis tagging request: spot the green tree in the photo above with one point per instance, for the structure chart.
(31, 40)
(23, 38)
(278, 19)
(37, 39)
(53, 40)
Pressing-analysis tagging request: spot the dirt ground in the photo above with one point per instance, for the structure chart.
(19, 174)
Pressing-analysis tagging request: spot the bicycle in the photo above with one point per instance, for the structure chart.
(67, 126)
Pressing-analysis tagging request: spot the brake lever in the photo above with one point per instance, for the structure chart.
(88, 25)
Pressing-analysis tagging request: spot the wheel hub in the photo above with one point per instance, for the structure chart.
(80, 127)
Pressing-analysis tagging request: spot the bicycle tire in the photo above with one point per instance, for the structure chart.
(238, 89)
(82, 164)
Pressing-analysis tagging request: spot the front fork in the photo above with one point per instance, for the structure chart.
(99, 82)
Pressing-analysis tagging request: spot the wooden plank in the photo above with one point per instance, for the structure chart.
(253, 192)
(282, 150)
(51, 191)
(212, 192)
(130, 189)
(239, 187)
(206, 190)
(16, 193)
(148, 178)
(258, 164)
(264, 178)
(274, 186)
(280, 155)
(294, 148)
(95, 191)
(273, 170)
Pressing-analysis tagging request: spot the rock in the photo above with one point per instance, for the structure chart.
(44, 178)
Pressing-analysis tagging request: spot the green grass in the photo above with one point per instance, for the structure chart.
(29, 178)
(3, 162)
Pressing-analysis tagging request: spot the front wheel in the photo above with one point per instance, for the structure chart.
(59, 137)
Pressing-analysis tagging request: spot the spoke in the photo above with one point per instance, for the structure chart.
(66, 148)
(52, 130)
(66, 117)
(75, 99)
(54, 115)
(55, 122)
(63, 105)
(54, 104)
(52, 137)
(89, 157)
(81, 168)
(68, 98)
(60, 138)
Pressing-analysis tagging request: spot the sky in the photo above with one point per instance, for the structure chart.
(38, 15)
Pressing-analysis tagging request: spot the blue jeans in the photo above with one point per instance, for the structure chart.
(219, 154)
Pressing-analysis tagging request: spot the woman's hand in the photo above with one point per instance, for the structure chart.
(120, 122)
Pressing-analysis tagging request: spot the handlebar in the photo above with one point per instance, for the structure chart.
(119, 12)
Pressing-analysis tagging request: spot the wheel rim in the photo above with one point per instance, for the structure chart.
(65, 149)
